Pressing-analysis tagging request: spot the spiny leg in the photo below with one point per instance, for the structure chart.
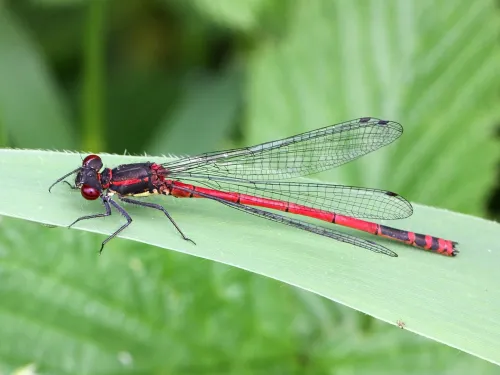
(105, 200)
(73, 187)
(125, 215)
(157, 207)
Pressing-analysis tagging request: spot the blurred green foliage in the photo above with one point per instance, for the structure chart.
(186, 76)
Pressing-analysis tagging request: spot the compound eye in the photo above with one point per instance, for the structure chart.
(89, 192)
(92, 161)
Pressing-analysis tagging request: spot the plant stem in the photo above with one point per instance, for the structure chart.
(93, 77)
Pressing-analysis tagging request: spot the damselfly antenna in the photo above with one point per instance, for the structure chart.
(64, 177)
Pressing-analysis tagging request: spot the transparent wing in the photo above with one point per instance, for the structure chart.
(296, 156)
(343, 237)
(346, 200)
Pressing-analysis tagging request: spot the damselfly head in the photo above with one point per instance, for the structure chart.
(87, 177)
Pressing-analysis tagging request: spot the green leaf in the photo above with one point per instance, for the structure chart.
(121, 312)
(203, 117)
(52, 3)
(432, 66)
(451, 300)
(31, 108)
(241, 15)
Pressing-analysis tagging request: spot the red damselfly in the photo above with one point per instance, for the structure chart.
(251, 177)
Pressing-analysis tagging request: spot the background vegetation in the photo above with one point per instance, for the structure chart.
(187, 76)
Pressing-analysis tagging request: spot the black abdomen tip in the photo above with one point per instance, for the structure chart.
(455, 251)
